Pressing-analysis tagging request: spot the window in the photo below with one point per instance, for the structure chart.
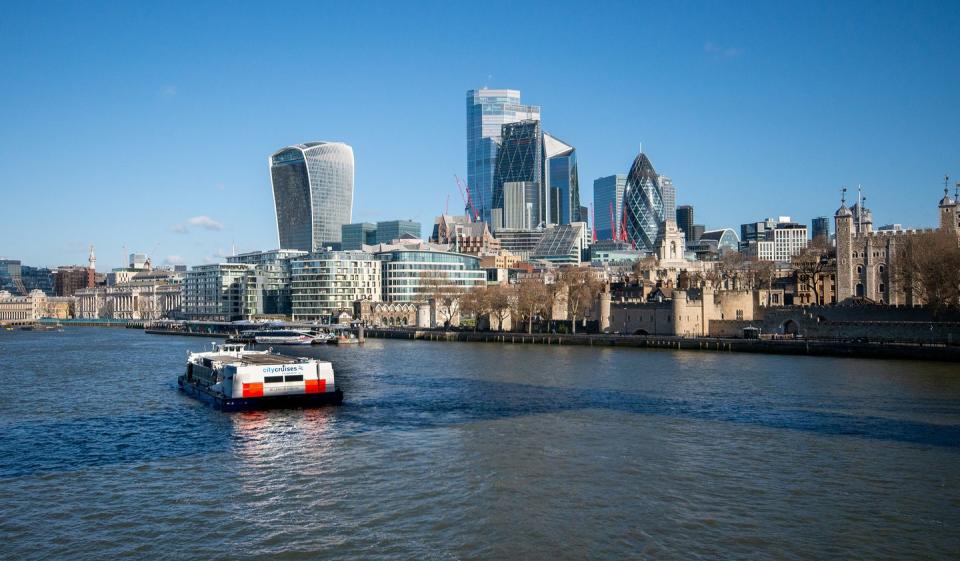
(272, 379)
(294, 378)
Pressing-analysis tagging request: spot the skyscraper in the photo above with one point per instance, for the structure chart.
(487, 111)
(520, 158)
(643, 204)
(561, 181)
(821, 228)
(608, 204)
(312, 193)
(669, 196)
(684, 216)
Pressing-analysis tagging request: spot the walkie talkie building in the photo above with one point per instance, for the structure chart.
(643, 204)
(312, 193)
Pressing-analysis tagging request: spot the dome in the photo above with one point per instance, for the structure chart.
(843, 211)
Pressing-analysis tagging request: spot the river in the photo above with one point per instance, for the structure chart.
(478, 451)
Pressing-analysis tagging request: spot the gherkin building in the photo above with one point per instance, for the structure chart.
(643, 206)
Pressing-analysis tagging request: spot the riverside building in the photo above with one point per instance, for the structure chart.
(221, 292)
(412, 271)
(313, 193)
(327, 283)
(273, 271)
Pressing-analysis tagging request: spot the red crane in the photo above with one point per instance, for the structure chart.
(613, 225)
(593, 224)
(467, 201)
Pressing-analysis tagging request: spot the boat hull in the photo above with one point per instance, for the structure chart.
(259, 403)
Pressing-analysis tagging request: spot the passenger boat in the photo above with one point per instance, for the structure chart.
(282, 337)
(232, 378)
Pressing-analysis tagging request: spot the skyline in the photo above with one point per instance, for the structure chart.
(169, 120)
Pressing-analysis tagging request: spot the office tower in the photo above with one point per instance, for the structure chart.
(391, 230)
(821, 228)
(698, 230)
(518, 197)
(312, 193)
(10, 279)
(561, 182)
(684, 216)
(354, 236)
(138, 261)
(669, 196)
(520, 158)
(643, 204)
(608, 205)
(487, 111)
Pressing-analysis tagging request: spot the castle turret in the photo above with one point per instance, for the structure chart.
(843, 226)
(949, 221)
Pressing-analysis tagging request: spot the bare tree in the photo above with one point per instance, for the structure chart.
(476, 302)
(643, 266)
(500, 301)
(531, 300)
(809, 266)
(445, 295)
(582, 289)
(927, 266)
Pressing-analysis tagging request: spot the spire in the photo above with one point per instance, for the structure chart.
(843, 210)
(92, 259)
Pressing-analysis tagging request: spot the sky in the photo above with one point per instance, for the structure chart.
(146, 126)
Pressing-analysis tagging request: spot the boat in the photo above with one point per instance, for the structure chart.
(322, 338)
(232, 378)
(281, 337)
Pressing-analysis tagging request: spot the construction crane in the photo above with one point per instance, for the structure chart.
(613, 225)
(467, 201)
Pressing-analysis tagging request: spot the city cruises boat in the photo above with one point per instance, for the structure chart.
(282, 337)
(232, 378)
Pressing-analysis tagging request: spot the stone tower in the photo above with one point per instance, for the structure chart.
(843, 224)
(949, 221)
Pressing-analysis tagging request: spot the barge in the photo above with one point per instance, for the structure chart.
(232, 378)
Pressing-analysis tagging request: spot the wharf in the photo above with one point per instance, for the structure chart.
(811, 347)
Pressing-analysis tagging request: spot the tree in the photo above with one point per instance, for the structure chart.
(446, 297)
(927, 267)
(809, 265)
(500, 301)
(643, 266)
(531, 300)
(476, 302)
(582, 289)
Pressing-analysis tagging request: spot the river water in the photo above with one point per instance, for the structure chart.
(478, 451)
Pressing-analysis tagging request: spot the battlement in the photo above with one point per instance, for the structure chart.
(891, 233)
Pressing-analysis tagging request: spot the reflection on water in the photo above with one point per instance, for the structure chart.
(478, 451)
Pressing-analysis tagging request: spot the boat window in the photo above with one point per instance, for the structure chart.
(294, 378)
(272, 379)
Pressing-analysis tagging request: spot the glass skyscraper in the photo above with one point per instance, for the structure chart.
(643, 205)
(561, 182)
(487, 111)
(669, 197)
(520, 158)
(312, 193)
(684, 216)
(608, 204)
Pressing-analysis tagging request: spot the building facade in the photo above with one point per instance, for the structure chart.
(327, 283)
(866, 258)
(520, 159)
(561, 181)
(487, 111)
(221, 292)
(684, 217)
(412, 271)
(134, 300)
(312, 193)
(643, 205)
(390, 230)
(820, 228)
(273, 272)
(669, 197)
(608, 205)
(355, 236)
(563, 244)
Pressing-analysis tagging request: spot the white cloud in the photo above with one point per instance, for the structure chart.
(720, 51)
(173, 260)
(202, 221)
(205, 222)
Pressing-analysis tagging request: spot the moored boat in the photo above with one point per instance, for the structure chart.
(231, 378)
(282, 337)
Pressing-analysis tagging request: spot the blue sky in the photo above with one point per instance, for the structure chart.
(147, 126)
